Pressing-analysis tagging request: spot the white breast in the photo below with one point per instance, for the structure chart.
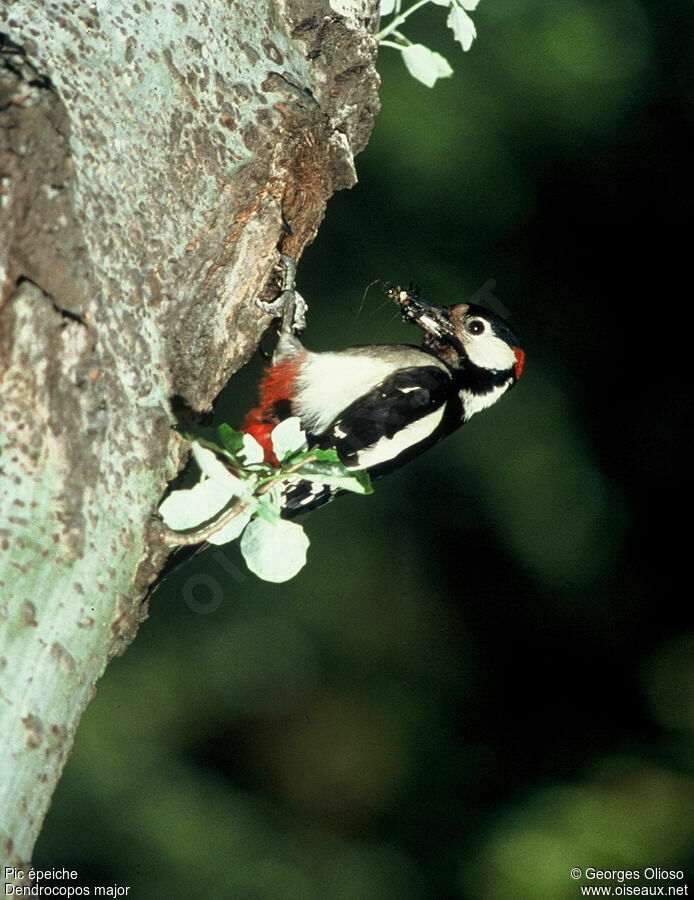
(474, 403)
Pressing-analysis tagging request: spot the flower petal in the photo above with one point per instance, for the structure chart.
(233, 529)
(189, 508)
(274, 551)
(215, 469)
(425, 65)
(287, 437)
(388, 7)
(462, 26)
(252, 452)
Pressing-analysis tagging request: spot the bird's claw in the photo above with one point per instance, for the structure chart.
(290, 306)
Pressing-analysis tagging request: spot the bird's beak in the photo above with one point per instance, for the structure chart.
(434, 321)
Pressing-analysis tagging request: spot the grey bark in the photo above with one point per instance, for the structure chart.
(151, 155)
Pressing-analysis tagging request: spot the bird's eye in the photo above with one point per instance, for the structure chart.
(476, 326)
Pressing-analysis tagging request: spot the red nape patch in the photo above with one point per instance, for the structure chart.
(276, 390)
(520, 361)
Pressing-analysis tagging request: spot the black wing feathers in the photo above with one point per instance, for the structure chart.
(395, 403)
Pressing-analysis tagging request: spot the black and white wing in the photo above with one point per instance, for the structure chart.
(395, 420)
(399, 417)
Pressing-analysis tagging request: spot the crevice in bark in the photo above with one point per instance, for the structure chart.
(68, 314)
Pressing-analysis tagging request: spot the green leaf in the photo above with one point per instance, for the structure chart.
(364, 480)
(242, 449)
(231, 440)
(220, 438)
(325, 466)
(328, 456)
(270, 505)
(337, 475)
(203, 434)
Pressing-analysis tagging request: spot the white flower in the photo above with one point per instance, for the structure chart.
(210, 465)
(252, 452)
(287, 437)
(425, 65)
(388, 7)
(233, 528)
(189, 508)
(461, 24)
(466, 4)
(274, 551)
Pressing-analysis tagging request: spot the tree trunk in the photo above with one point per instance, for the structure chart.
(154, 159)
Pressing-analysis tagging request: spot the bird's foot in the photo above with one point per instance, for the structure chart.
(290, 306)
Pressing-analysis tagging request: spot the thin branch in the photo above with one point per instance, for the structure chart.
(196, 536)
(187, 538)
(398, 20)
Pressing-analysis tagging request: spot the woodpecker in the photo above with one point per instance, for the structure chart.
(381, 405)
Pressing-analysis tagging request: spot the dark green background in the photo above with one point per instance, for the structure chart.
(485, 674)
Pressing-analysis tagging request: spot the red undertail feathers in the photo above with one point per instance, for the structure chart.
(276, 390)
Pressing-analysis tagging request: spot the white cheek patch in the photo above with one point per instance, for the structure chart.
(489, 352)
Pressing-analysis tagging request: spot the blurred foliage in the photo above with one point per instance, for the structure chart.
(485, 674)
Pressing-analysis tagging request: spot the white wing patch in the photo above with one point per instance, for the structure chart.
(329, 382)
(387, 449)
